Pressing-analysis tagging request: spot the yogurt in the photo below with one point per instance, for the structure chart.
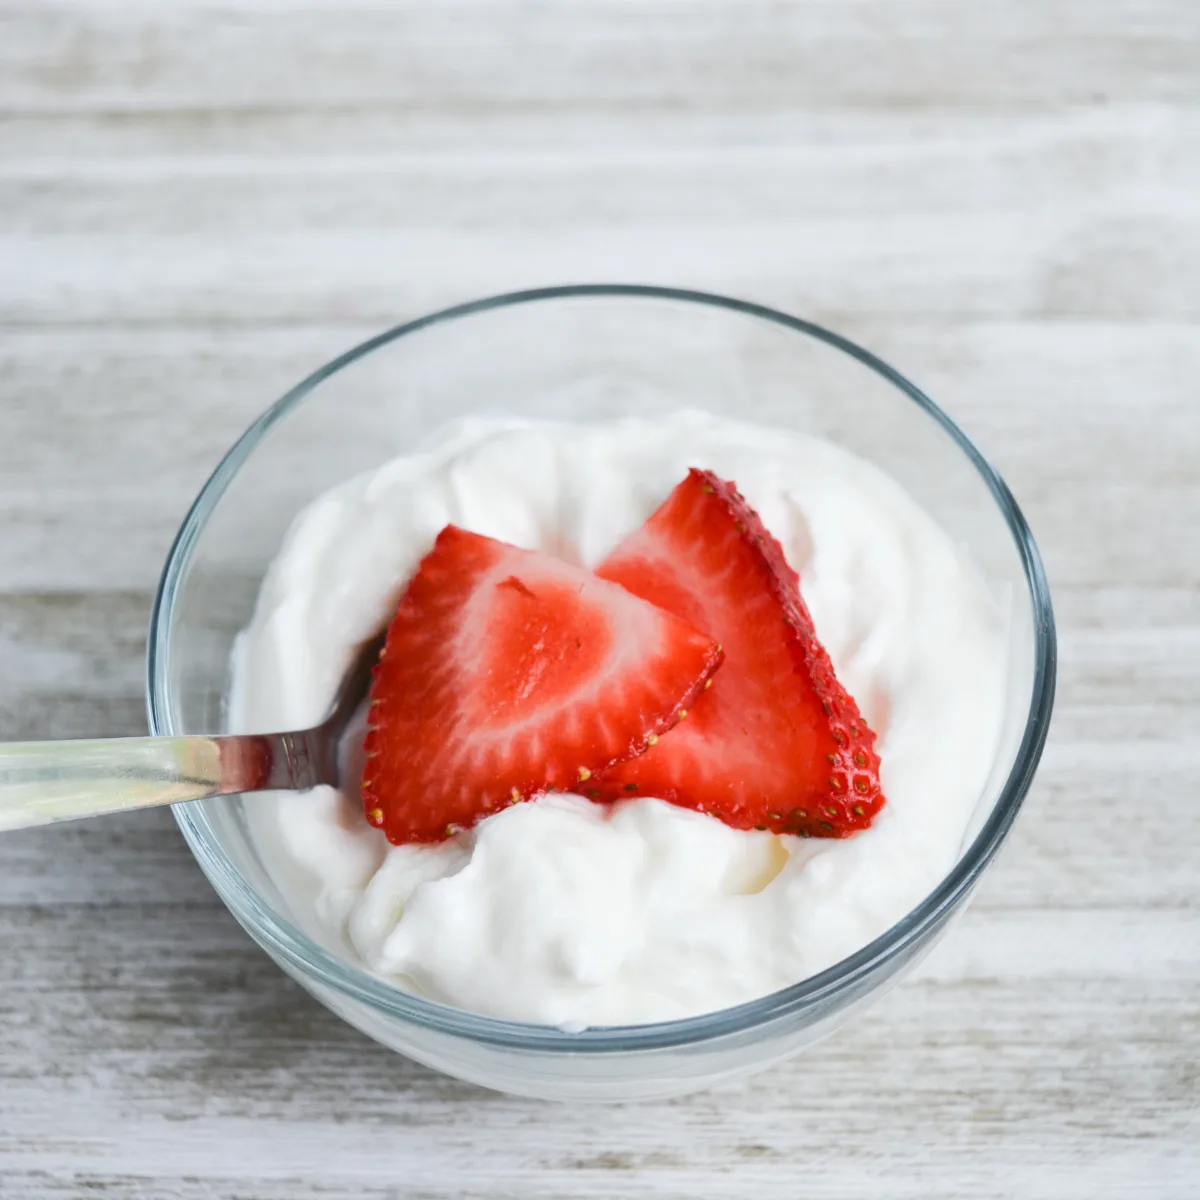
(565, 912)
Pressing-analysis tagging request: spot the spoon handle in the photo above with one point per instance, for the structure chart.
(41, 782)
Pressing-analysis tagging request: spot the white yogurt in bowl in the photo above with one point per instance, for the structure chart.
(564, 912)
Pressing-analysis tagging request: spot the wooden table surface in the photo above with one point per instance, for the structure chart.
(199, 203)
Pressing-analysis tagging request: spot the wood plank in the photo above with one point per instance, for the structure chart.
(1048, 402)
(698, 54)
(243, 1060)
(1027, 218)
(380, 138)
(72, 665)
(802, 167)
(1097, 259)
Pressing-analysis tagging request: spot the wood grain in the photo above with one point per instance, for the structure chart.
(201, 202)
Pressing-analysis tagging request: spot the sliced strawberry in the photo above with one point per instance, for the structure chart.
(777, 743)
(508, 673)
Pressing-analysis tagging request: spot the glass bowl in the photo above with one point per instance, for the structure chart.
(583, 353)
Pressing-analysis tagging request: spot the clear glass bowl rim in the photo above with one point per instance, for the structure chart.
(313, 962)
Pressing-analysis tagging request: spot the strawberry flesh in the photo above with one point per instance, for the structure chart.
(507, 673)
(776, 743)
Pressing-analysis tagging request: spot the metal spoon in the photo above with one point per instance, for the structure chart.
(41, 782)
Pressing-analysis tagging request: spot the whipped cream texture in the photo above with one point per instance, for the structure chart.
(565, 912)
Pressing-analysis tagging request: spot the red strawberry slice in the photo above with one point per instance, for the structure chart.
(508, 673)
(777, 743)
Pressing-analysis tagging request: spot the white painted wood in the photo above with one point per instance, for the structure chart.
(200, 202)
